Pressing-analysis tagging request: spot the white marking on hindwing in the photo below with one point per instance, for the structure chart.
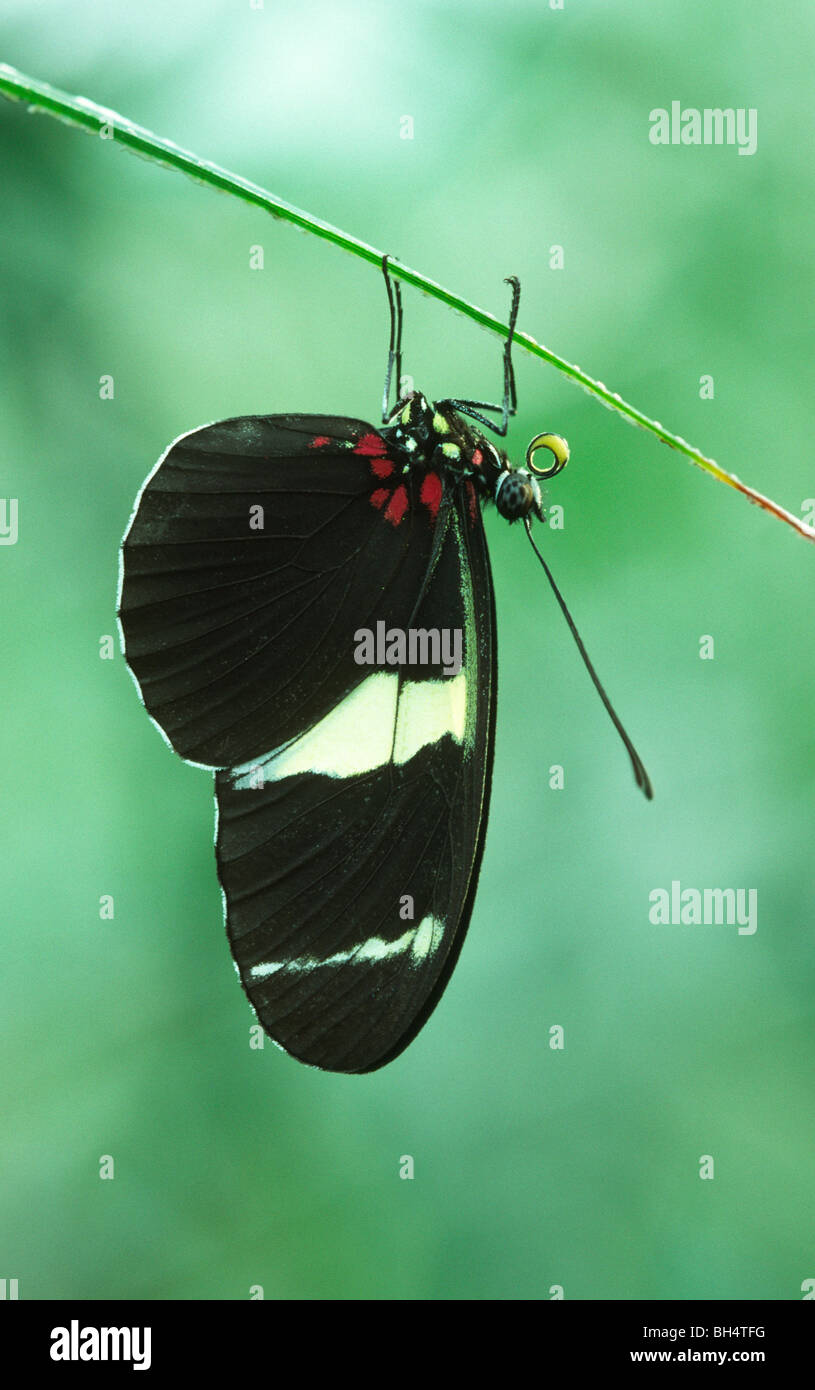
(418, 943)
(427, 711)
(357, 736)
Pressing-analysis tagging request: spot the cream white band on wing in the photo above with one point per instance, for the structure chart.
(418, 943)
(357, 735)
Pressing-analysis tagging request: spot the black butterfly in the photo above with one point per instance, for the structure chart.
(306, 605)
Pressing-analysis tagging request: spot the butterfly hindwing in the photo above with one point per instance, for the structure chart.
(349, 857)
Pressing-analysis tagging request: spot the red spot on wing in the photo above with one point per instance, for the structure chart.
(381, 467)
(397, 506)
(379, 498)
(472, 500)
(431, 493)
(318, 441)
(477, 458)
(370, 444)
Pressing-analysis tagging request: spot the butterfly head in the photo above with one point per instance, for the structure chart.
(517, 490)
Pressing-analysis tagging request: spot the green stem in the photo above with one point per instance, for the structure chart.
(39, 96)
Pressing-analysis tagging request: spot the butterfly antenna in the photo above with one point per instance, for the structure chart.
(641, 776)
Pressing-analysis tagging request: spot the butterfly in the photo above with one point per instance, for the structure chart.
(307, 608)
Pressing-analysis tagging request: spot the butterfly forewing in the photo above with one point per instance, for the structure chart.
(257, 547)
(349, 858)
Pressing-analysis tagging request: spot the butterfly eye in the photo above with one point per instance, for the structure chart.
(516, 495)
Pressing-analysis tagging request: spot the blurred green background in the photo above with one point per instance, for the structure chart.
(534, 1168)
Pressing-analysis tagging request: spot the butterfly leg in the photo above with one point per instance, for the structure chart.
(509, 403)
(395, 344)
